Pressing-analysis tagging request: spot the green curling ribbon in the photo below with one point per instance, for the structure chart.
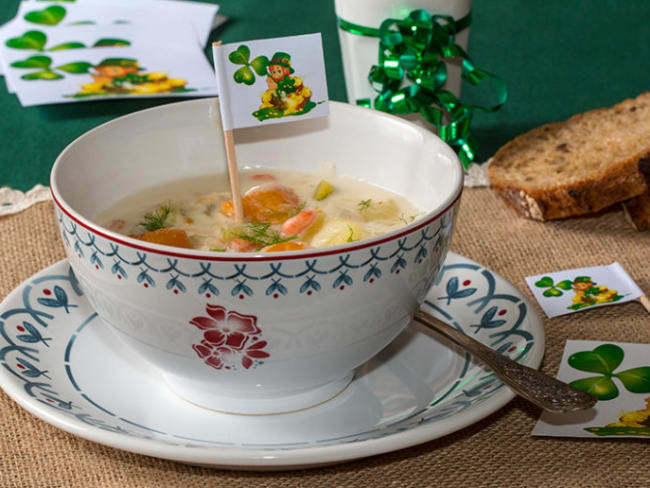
(411, 72)
(358, 30)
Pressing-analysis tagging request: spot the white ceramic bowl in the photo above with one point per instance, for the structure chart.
(255, 333)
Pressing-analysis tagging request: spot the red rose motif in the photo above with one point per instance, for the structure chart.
(228, 335)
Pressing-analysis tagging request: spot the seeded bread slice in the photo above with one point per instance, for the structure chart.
(581, 165)
(637, 211)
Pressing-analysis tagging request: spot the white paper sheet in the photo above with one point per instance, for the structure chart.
(573, 290)
(626, 413)
(201, 15)
(190, 70)
(180, 35)
(176, 27)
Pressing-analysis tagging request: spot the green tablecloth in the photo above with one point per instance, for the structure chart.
(557, 57)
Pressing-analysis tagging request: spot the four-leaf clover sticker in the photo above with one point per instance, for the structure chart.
(245, 74)
(604, 360)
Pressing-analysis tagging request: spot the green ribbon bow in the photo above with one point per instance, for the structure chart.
(411, 72)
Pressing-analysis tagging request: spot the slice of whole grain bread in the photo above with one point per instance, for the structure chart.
(581, 165)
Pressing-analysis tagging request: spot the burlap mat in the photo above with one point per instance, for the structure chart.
(497, 452)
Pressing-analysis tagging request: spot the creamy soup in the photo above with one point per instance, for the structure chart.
(283, 211)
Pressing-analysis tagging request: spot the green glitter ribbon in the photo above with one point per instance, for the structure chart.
(411, 72)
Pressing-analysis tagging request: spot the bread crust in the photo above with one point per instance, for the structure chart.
(637, 211)
(619, 180)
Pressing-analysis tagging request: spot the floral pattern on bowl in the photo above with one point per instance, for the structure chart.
(229, 338)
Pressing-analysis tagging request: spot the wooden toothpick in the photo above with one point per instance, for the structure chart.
(645, 301)
(233, 171)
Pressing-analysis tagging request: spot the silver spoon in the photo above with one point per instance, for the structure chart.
(538, 388)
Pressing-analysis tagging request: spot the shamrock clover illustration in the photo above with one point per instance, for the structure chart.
(554, 290)
(43, 63)
(604, 359)
(48, 16)
(36, 40)
(245, 74)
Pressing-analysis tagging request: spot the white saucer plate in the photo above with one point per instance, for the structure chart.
(61, 363)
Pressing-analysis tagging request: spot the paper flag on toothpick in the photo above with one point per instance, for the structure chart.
(618, 374)
(271, 81)
(573, 290)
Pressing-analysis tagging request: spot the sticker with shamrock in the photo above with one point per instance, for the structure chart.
(284, 95)
(125, 77)
(269, 80)
(587, 292)
(618, 374)
(553, 290)
(604, 360)
(574, 290)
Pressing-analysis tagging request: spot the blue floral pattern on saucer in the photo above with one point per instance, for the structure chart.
(43, 321)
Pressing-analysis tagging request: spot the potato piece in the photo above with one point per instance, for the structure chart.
(167, 237)
(382, 210)
(314, 228)
(174, 217)
(323, 190)
(230, 232)
(206, 241)
(336, 231)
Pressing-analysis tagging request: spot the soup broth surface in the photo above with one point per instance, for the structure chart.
(283, 210)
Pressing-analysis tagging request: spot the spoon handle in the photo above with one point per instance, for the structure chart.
(542, 390)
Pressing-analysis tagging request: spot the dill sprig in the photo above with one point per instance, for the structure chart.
(156, 220)
(402, 217)
(298, 209)
(260, 233)
(364, 204)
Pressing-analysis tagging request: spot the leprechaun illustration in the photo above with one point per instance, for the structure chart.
(285, 93)
(111, 68)
(123, 76)
(637, 418)
(588, 293)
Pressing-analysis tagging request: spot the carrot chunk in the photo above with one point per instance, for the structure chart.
(167, 237)
(270, 202)
(285, 246)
